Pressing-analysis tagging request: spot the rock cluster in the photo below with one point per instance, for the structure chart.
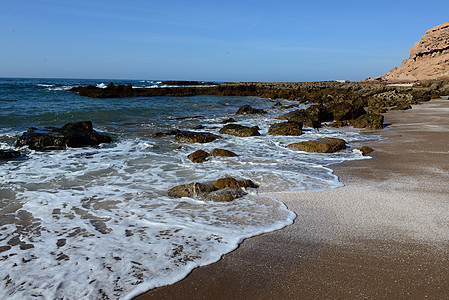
(200, 156)
(77, 134)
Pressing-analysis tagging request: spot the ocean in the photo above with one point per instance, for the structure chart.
(96, 222)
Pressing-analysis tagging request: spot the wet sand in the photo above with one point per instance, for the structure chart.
(385, 234)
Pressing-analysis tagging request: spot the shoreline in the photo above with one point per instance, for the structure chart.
(384, 234)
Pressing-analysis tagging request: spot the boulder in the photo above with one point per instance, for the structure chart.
(190, 190)
(79, 134)
(365, 150)
(240, 130)
(323, 145)
(232, 183)
(369, 121)
(198, 156)
(195, 137)
(222, 152)
(247, 110)
(286, 128)
(8, 154)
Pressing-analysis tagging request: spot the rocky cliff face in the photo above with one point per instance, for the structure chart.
(429, 58)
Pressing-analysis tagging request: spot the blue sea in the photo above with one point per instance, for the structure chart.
(97, 223)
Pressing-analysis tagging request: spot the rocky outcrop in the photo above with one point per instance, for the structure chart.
(286, 128)
(240, 130)
(341, 111)
(222, 190)
(9, 154)
(195, 137)
(79, 134)
(310, 117)
(429, 58)
(323, 145)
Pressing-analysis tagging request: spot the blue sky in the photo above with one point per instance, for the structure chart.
(211, 40)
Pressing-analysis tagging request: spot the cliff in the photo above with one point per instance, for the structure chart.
(429, 58)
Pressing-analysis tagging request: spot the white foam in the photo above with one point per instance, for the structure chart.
(123, 235)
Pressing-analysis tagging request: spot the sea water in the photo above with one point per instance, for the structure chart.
(96, 222)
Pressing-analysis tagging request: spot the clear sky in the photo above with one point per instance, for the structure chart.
(211, 40)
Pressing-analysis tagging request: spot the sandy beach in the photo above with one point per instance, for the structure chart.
(385, 234)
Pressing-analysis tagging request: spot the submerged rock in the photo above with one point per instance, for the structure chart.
(323, 145)
(195, 137)
(9, 154)
(247, 110)
(189, 190)
(79, 134)
(222, 152)
(222, 190)
(240, 130)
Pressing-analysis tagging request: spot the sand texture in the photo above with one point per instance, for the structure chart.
(385, 234)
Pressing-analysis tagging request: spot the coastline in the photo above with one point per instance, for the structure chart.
(384, 234)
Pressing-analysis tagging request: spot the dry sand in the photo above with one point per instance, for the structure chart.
(385, 234)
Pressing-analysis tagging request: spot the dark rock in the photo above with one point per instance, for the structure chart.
(198, 156)
(286, 128)
(185, 82)
(79, 134)
(247, 110)
(222, 152)
(8, 154)
(323, 145)
(4, 248)
(310, 117)
(369, 121)
(195, 137)
(226, 121)
(166, 133)
(239, 130)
